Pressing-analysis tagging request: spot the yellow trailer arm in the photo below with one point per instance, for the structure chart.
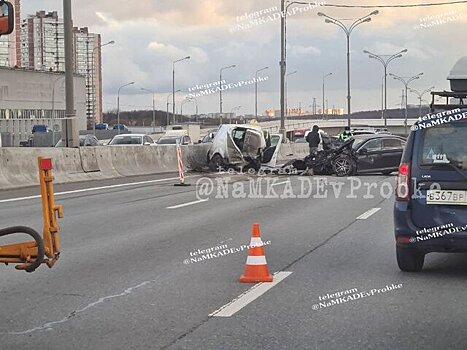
(45, 249)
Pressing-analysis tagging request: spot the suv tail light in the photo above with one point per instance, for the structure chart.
(403, 182)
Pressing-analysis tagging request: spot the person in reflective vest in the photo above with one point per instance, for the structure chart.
(345, 134)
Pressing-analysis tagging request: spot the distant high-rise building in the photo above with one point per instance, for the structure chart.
(43, 48)
(87, 55)
(42, 42)
(10, 48)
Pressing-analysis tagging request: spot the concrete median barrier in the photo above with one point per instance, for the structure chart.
(18, 166)
(88, 157)
(300, 150)
(196, 156)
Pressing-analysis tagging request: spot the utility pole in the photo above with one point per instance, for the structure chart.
(70, 133)
(220, 91)
(283, 69)
(324, 77)
(406, 81)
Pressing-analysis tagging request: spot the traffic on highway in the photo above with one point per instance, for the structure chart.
(233, 175)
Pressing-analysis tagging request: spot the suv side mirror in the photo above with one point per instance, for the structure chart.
(147, 143)
(7, 18)
(211, 135)
(363, 151)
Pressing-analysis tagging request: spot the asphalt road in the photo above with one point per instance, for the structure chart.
(121, 281)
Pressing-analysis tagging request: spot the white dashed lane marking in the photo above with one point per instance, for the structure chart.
(368, 213)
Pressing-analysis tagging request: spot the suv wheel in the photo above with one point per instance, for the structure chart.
(409, 260)
(343, 166)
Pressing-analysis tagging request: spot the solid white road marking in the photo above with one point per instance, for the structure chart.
(368, 213)
(95, 189)
(187, 204)
(249, 296)
(280, 183)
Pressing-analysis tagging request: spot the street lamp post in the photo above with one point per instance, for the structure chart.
(118, 103)
(287, 92)
(153, 108)
(94, 84)
(406, 81)
(420, 97)
(385, 60)
(196, 104)
(168, 103)
(220, 90)
(348, 31)
(324, 77)
(256, 90)
(173, 83)
(186, 100)
(231, 112)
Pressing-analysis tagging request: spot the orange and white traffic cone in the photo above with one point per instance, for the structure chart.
(256, 268)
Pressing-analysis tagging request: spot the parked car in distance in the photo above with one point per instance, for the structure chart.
(121, 127)
(131, 140)
(88, 141)
(300, 140)
(172, 140)
(102, 126)
(363, 131)
(209, 137)
(40, 128)
(431, 192)
(84, 141)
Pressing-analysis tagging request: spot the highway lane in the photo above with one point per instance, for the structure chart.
(121, 282)
(425, 312)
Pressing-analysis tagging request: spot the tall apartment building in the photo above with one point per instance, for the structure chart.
(88, 63)
(10, 45)
(42, 42)
(43, 48)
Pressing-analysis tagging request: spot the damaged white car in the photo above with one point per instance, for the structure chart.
(242, 146)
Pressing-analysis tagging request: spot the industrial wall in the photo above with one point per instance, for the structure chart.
(33, 97)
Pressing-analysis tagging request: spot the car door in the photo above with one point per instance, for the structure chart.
(235, 140)
(271, 153)
(252, 145)
(392, 153)
(369, 155)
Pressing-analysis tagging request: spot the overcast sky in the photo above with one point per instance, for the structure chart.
(150, 34)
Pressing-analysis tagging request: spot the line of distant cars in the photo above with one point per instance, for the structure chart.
(169, 138)
(132, 140)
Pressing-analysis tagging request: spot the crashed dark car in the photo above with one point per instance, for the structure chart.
(337, 157)
(361, 154)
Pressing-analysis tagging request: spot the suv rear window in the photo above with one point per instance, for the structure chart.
(446, 144)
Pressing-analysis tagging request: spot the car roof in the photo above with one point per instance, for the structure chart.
(378, 136)
(140, 135)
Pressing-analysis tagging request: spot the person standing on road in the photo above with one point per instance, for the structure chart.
(313, 138)
(345, 134)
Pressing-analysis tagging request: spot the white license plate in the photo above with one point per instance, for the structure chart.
(446, 197)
